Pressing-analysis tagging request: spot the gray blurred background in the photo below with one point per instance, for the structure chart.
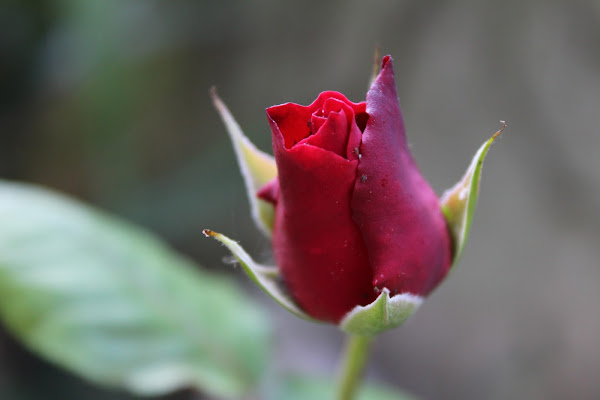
(108, 101)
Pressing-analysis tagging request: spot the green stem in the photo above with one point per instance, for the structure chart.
(352, 365)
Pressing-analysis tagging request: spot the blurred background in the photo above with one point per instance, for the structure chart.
(108, 102)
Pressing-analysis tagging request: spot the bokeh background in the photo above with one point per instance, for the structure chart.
(108, 101)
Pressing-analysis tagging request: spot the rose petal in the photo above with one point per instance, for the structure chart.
(316, 244)
(353, 146)
(270, 192)
(394, 207)
(316, 122)
(295, 122)
(332, 135)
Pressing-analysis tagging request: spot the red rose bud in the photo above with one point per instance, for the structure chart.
(353, 214)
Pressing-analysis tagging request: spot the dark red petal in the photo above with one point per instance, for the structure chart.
(294, 121)
(270, 191)
(332, 135)
(354, 139)
(395, 208)
(316, 122)
(316, 244)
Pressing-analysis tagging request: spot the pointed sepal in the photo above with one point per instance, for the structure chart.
(376, 69)
(458, 203)
(267, 278)
(257, 167)
(382, 314)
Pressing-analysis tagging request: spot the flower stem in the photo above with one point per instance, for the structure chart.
(352, 365)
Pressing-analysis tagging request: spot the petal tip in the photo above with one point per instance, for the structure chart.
(385, 61)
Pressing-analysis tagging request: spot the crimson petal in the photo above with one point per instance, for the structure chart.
(398, 213)
(316, 244)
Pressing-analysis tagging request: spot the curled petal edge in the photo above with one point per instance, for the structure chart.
(266, 277)
(458, 203)
(256, 166)
(382, 314)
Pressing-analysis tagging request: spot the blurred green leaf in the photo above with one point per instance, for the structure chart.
(309, 388)
(111, 303)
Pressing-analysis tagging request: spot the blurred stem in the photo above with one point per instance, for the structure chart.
(352, 365)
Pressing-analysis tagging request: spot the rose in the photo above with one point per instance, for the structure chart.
(358, 234)
(353, 214)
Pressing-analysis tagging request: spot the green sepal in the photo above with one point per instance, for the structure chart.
(382, 314)
(264, 276)
(376, 68)
(257, 167)
(458, 203)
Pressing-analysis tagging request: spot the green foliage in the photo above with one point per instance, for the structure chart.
(111, 303)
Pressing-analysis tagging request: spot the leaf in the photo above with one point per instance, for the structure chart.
(267, 278)
(458, 203)
(111, 303)
(309, 388)
(257, 167)
(382, 314)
